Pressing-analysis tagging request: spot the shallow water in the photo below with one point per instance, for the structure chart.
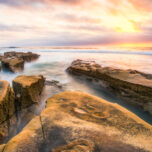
(53, 63)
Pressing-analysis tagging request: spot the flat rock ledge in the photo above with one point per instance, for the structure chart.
(79, 122)
(14, 61)
(131, 85)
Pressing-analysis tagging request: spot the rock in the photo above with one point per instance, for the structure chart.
(131, 85)
(14, 61)
(27, 57)
(54, 83)
(7, 107)
(1, 57)
(76, 121)
(13, 64)
(77, 146)
(2, 147)
(7, 100)
(28, 89)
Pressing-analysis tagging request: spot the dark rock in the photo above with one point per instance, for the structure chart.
(133, 86)
(54, 83)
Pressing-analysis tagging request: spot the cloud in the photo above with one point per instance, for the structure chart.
(75, 22)
(29, 2)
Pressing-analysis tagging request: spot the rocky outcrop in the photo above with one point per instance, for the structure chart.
(14, 61)
(7, 108)
(28, 89)
(76, 121)
(131, 85)
(13, 64)
(27, 57)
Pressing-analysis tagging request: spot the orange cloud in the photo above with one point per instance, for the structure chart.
(92, 22)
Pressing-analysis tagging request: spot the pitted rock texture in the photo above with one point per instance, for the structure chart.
(76, 121)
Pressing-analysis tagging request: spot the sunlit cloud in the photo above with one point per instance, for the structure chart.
(75, 22)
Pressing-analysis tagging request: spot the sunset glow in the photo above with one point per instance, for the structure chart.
(75, 22)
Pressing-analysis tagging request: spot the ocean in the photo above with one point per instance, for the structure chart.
(53, 63)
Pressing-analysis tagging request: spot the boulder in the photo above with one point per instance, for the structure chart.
(7, 100)
(131, 85)
(28, 89)
(76, 121)
(27, 57)
(13, 64)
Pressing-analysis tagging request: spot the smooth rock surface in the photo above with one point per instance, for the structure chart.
(28, 89)
(78, 121)
(131, 85)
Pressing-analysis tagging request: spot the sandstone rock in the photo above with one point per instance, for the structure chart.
(28, 89)
(7, 107)
(13, 64)
(77, 146)
(131, 85)
(75, 121)
(14, 61)
(28, 57)
(2, 147)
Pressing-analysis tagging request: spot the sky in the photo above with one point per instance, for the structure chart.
(75, 23)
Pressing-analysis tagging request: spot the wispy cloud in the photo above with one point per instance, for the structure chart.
(75, 22)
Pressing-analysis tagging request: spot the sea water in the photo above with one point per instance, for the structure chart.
(53, 63)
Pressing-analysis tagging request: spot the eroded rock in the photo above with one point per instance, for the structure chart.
(7, 100)
(14, 61)
(77, 146)
(101, 127)
(28, 89)
(13, 64)
(7, 107)
(27, 57)
(131, 85)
